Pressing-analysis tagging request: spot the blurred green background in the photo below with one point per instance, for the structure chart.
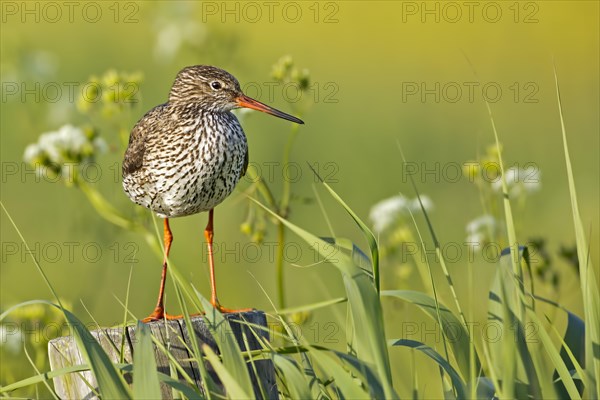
(362, 57)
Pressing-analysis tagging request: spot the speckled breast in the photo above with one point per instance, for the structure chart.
(194, 169)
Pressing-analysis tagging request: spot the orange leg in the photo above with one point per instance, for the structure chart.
(159, 311)
(208, 234)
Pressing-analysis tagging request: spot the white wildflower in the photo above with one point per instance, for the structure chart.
(485, 222)
(475, 240)
(531, 179)
(61, 152)
(480, 230)
(72, 139)
(58, 145)
(32, 153)
(100, 145)
(384, 213)
(49, 144)
(520, 181)
(415, 206)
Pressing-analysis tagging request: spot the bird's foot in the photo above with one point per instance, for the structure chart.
(223, 310)
(159, 314)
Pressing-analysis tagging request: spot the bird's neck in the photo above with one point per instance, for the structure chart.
(196, 117)
(189, 110)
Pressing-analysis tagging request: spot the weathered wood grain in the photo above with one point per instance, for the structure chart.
(175, 336)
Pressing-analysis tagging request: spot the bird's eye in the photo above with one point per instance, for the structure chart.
(215, 85)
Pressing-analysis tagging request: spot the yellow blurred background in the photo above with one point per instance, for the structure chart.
(383, 73)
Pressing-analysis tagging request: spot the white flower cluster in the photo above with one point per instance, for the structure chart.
(386, 212)
(67, 145)
(520, 181)
(480, 231)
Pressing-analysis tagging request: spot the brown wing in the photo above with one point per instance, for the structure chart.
(246, 160)
(134, 155)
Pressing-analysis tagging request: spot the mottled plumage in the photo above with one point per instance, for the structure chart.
(187, 155)
(184, 160)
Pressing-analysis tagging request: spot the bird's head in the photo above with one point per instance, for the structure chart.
(216, 90)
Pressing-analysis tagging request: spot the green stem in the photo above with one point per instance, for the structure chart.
(262, 187)
(283, 212)
(285, 197)
(279, 265)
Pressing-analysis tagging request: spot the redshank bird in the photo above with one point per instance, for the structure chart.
(186, 156)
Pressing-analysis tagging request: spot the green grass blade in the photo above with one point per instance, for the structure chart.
(510, 225)
(359, 258)
(436, 243)
(323, 212)
(523, 367)
(364, 305)
(110, 382)
(457, 334)
(447, 387)
(125, 311)
(46, 376)
(311, 307)
(568, 346)
(31, 253)
(458, 383)
(37, 371)
(364, 372)
(233, 360)
(187, 391)
(371, 240)
(516, 364)
(493, 370)
(233, 387)
(195, 353)
(145, 379)
(294, 381)
(555, 357)
(587, 278)
(415, 376)
(572, 344)
(343, 381)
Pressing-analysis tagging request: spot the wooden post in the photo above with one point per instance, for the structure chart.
(63, 352)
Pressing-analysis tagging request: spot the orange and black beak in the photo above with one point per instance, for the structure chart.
(248, 102)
